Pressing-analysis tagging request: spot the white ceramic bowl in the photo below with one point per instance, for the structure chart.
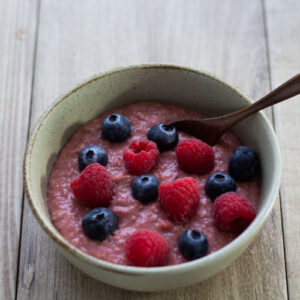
(165, 84)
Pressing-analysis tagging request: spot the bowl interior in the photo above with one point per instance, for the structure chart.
(165, 84)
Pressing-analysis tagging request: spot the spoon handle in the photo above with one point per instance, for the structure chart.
(285, 91)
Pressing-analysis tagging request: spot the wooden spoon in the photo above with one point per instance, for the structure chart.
(210, 129)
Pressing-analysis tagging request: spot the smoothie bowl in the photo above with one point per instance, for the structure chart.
(147, 95)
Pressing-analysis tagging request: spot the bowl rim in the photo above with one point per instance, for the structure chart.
(224, 252)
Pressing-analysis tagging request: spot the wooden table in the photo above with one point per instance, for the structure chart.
(47, 46)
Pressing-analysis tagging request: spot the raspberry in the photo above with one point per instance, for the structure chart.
(194, 156)
(179, 198)
(94, 186)
(147, 248)
(140, 157)
(232, 212)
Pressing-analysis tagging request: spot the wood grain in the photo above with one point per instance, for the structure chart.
(17, 31)
(79, 38)
(283, 24)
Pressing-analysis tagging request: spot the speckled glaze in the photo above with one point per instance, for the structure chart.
(165, 84)
(66, 212)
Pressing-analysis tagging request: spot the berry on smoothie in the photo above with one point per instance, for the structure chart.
(243, 164)
(165, 136)
(232, 212)
(179, 198)
(147, 248)
(145, 188)
(94, 186)
(195, 156)
(92, 154)
(219, 183)
(99, 223)
(193, 244)
(116, 128)
(141, 156)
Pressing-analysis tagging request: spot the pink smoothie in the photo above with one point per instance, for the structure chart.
(66, 213)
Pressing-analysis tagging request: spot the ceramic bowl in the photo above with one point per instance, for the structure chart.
(165, 84)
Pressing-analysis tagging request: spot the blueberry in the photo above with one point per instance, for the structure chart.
(92, 154)
(145, 188)
(243, 163)
(99, 223)
(116, 128)
(165, 136)
(193, 244)
(218, 184)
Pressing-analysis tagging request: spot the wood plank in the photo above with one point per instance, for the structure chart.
(78, 39)
(283, 24)
(17, 31)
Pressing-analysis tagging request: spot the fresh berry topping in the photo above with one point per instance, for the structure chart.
(194, 156)
(147, 248)
(116, 128)
(165, 136)
(99, 223)
(218, 184)
(141, 156)
(94, 186)
(92, 154)
(192, 244)
(243, 163)
(145, 188)
(179, 198)
(232, 212)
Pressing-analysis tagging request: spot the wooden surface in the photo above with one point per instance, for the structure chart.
(283, 25)
(47, 46)
(18, 21)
